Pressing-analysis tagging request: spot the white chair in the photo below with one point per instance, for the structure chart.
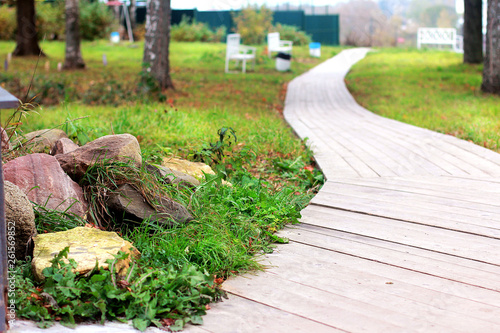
(274, 44)
(239, 52)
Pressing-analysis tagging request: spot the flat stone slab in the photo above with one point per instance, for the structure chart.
(86, 245)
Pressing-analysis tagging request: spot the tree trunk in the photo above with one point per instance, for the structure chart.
(156, 42)
(132, 10)
(27, 36)
(73, 57)
(473, 31)
(491, 71)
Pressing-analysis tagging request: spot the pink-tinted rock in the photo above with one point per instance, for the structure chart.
(41, 141)
(121, 147)
(44, 182)
(6, 146)
(63, 146)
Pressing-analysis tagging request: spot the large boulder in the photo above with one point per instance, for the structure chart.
(43, 180)
(63, 146)
(122, 147)
(42, 140)
(86, 245)
(130, 204)
(19, 219)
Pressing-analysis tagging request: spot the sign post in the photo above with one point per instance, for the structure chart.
(7, 101)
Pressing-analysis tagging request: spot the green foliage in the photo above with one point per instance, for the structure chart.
(290, 32)
(253, 24)
(51, 20)
(188, 31)
(296, 170)
(143, 295)
(48, 220)
(213, 153)
(96, 20)
(7, 22)
(232, 223)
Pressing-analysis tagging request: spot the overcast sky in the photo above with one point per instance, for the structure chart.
(237, 4)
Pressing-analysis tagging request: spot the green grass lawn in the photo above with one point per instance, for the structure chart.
(205, 98)
(431, 89)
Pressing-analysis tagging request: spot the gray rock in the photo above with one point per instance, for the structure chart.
(122, 147)
(19, 218)
(63, 146)
(174, 177)
(42, 140)
(131, 204)
(42, 179)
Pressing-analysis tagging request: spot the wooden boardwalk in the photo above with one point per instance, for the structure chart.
(403, 237)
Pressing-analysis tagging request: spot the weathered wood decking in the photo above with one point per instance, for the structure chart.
(403, 237)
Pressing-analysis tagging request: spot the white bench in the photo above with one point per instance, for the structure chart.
(439, 36)
(274, 44)
(238, 52)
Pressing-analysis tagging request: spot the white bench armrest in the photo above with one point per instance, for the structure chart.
(248, 49)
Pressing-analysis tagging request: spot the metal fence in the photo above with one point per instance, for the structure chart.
(324, 29)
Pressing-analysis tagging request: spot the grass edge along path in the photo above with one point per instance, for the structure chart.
(430, 89)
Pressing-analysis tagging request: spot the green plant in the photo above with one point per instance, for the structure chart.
(253, 23)
(213, 153)
(96, 20)
(51, 21)
(190, 31)
(166, 297)
(290, 32)
(7, 22)
(48, 220)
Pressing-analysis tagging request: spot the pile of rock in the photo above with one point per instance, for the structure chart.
(51, 180)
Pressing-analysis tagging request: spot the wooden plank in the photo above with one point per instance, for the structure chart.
(407, 257)
(238, 314)
(433, 186)
(408, 213)
(440, 240)
(424, 201)
(371, 285)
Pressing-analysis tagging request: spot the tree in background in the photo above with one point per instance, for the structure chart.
(473, 31)
(156, 43)
(253, 24)
(491, 71)
(27, 36)
(73, 57)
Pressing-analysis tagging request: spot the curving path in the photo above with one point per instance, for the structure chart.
(403, 237)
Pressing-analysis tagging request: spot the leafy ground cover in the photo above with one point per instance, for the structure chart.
(431, 89)
(272, 173)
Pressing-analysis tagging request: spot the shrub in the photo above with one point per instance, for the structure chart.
(7, 23)
(51, 20)
(253, 24)
(290, 32)
(191, 31)
(96, 20)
